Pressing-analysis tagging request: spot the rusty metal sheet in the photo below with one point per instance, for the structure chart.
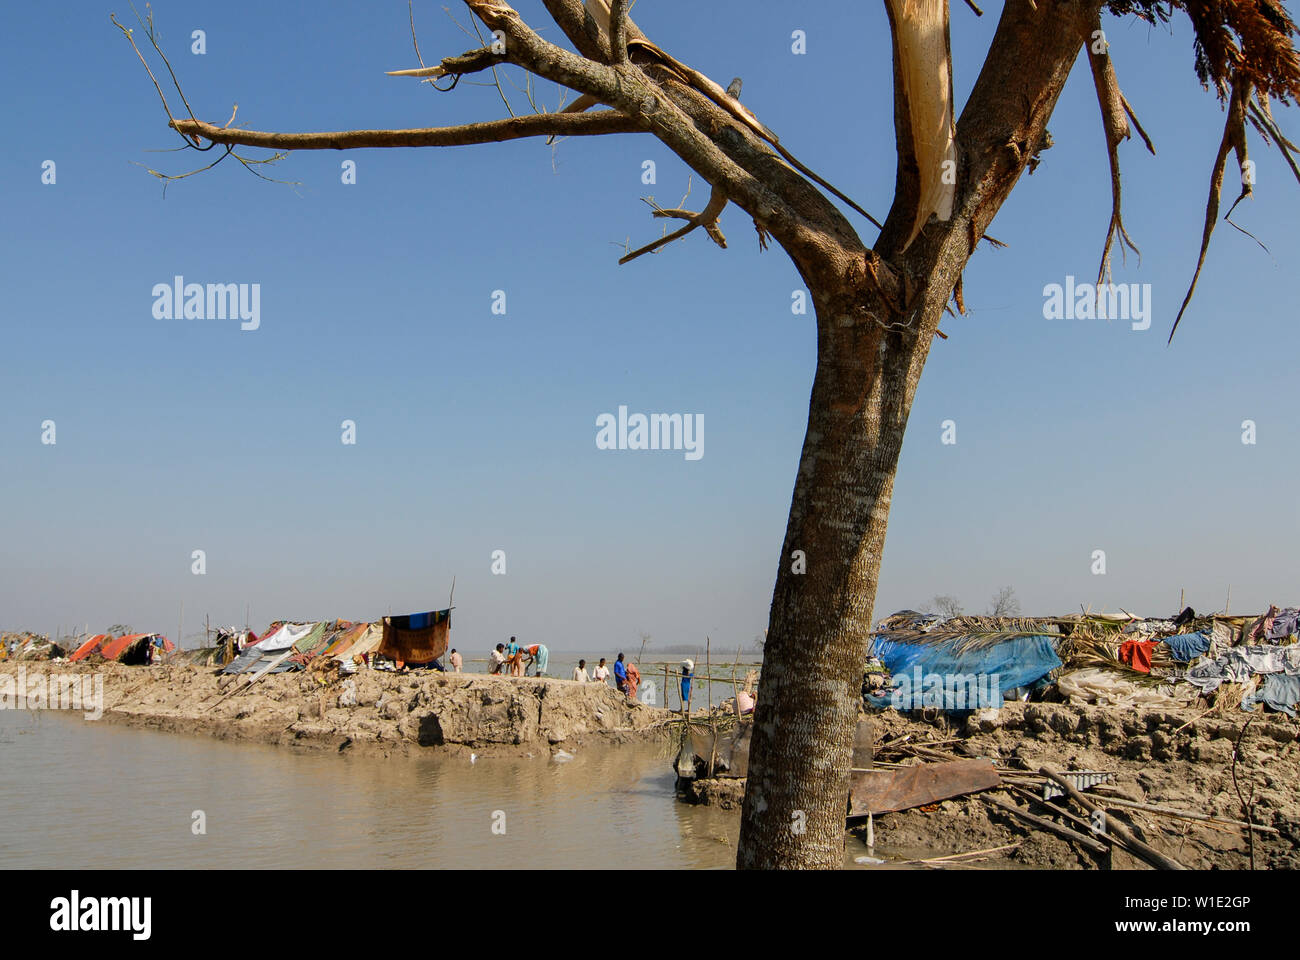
(882, 791)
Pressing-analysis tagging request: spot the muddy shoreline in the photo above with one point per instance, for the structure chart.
(373, 712)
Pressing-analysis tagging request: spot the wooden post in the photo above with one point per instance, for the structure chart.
(713, 723)
(708, 672)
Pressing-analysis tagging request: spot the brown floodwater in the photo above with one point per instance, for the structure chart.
(83, 795)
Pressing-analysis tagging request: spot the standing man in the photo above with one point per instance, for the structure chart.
(620, 674)
(455, 660)
(601, 672)
(580, 672)
(688, 670)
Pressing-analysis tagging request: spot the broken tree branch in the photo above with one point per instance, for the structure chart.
(492, 131)
(707, 218)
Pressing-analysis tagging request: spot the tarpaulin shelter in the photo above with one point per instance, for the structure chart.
(952, 671)
(364, 643)
(132, 648)
(89, 647)
(417, 637)
(342, 640)
(289, 638)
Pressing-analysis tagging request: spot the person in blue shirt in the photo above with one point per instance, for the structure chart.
(688, 670)
(620, 674)
(515, 657)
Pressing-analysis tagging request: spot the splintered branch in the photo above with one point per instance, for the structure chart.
(491, 131)
(1115, 112)
(472, 62)
(604, 17)
(1234, 141)
(706, 218)
(923, 71)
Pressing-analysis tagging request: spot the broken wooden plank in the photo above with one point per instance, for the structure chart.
(889, 791)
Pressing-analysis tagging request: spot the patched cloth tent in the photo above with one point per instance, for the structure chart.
(276, 648)
(366, 642)
(342, 641)
(417, 637)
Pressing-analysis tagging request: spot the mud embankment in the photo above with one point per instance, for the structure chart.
(371, 711)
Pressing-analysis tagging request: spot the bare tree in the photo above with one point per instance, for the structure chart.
(878, 305)
(946, 606)
(1004, 603)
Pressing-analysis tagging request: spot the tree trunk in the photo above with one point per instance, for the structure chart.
(876, 318)
(826, 586)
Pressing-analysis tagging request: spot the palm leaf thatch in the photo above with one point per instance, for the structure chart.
(1245, 51)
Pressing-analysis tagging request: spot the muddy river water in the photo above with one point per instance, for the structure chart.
(77, 794)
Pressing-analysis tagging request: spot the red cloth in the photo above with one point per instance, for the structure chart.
(1137, 654)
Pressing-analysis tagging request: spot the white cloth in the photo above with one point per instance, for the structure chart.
(285, 637)
(600, 674)
(580, 675)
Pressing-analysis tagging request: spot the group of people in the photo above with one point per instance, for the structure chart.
(626, 676)
(513, 659)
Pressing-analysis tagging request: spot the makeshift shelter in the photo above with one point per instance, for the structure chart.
(133, 648)
(39, 648)
(367, 642)
(416, 638)
(277, 647)
(1230, 661)
(343, 640)
(89, 647)
(963, 672)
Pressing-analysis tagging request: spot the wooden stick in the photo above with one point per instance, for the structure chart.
(1142, 850)
(1065, 832)
(1185, 814)
(972, 853)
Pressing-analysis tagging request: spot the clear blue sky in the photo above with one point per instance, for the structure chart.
(476, 432)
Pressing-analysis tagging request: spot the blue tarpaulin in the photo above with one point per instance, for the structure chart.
(944, 675)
